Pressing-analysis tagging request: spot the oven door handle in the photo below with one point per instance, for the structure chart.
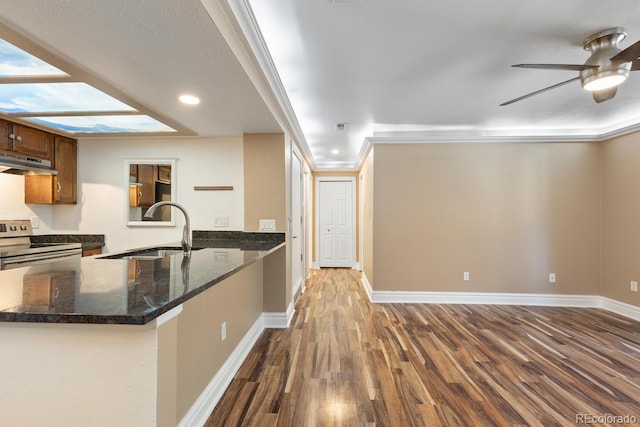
(40, 258)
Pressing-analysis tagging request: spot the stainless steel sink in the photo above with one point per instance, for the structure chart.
(148, 253)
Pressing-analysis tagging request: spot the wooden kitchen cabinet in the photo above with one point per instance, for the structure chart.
(56, 189)
(25, 140)
(5, 131)
(32, 142)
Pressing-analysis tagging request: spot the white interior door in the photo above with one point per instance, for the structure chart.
(297, 244)
(336, 223)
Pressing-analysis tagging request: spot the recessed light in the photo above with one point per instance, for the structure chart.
(189, 99)
(335, 151)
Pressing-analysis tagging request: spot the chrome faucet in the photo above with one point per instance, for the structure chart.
(186, 231)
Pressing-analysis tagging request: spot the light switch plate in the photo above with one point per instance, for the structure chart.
(222, 221)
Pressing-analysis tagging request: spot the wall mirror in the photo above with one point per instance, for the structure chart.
(148, 181)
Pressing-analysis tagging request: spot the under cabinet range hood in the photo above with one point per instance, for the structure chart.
(23, 165)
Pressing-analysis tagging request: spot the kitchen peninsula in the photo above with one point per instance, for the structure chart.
(138, 340)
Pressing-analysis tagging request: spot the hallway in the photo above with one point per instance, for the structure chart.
(346, 362)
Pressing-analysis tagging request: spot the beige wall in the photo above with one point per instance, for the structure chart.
(507, 213)
(276, 298)
(78, 375)
(265, 184)
(367, 216)
(200, 351)
(621, 217)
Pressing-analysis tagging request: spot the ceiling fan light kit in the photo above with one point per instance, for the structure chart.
(603, 47)
(603, 71)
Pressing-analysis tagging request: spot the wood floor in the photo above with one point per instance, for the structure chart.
(347, 362)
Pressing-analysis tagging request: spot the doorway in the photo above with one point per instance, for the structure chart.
(297, 225)
(335, 225)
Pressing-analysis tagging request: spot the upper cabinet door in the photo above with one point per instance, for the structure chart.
(5, 130)
(66, 164)
(33, 142)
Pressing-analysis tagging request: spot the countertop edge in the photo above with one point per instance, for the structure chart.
(9, 317)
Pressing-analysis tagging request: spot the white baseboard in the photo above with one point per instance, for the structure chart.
(279, 320)
(367, 286)
(621, 308)
(315, 265)
(551, 300)
(356, 266)
(297, 286)
(485, 298)
(204, 405)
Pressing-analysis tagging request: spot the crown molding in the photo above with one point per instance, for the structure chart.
(239, 27)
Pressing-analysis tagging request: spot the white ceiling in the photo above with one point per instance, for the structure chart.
(411, 70)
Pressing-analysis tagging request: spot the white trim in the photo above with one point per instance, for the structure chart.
(352, 180)
(297, 286)
(165, 317)
(360, 213)
(550, 300)
(486, 298)
(174, 189)
(259, 65)
(356, 266)
(362, 155)
(279, 320)
(415, 135)
(315, 265)
(621, 308)
(207, 401)
(367, 286)
(303, 225)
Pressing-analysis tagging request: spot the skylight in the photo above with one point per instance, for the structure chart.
(53, 97)
(33, 90)
(102, 124)
(17, 62)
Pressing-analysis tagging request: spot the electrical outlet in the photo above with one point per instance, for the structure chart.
(634, 286)
(223, 331)
(552, 277)
(465, 276)
(267, 225)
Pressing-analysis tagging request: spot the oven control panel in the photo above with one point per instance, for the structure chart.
(15, 228)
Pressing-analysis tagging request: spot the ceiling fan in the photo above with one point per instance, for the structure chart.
(606, 68)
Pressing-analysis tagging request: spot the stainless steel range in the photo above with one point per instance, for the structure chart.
(16, 249)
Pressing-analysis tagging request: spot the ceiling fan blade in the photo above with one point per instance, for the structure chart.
(573, 67)
(539, 91)
(604, 94)
(629, 54)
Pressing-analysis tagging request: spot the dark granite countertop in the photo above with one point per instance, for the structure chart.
(88, 241)
(101, 290)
